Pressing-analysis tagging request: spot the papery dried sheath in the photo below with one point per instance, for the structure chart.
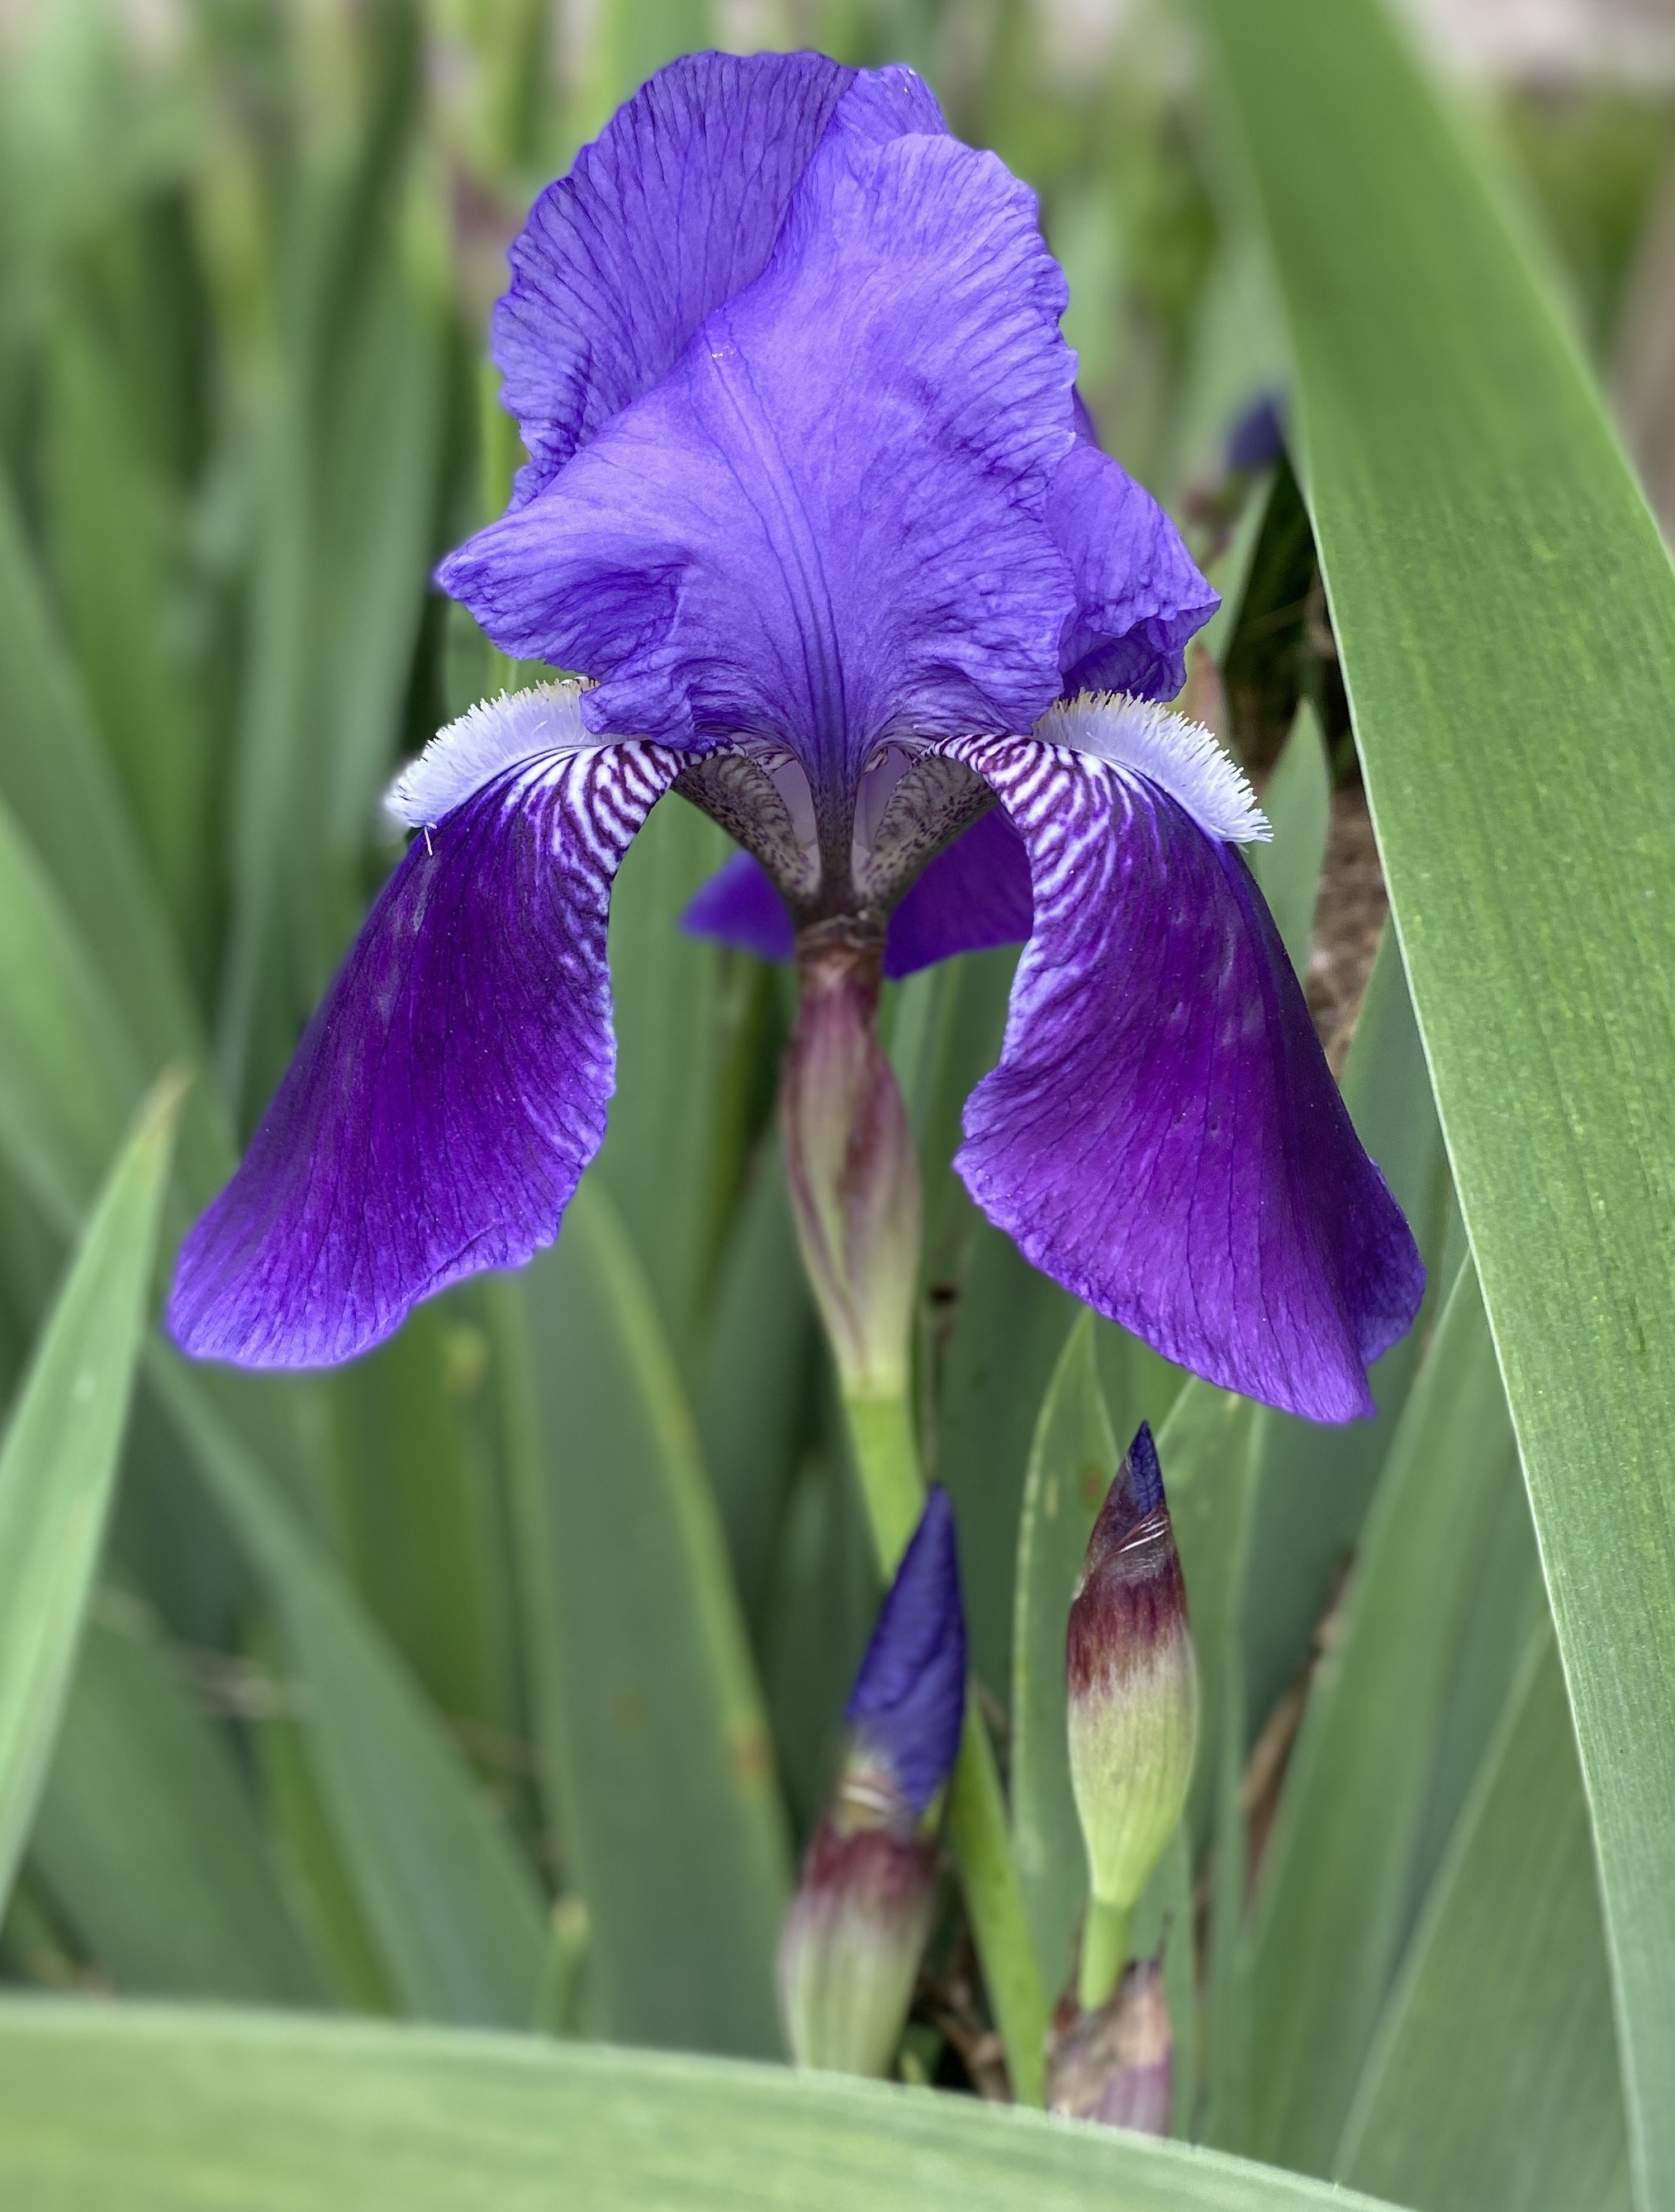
(1116, 2064)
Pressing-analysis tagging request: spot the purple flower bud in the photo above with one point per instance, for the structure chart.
(850, 1160)
(1132, 1702)
(1116, 2064)
(909, 1700)
(850, 1950)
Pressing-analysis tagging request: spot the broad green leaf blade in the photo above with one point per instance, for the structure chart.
(58, 1460)
(1297, 801)
(1204, 1448)
(1509, 1605)
(1337, 1882)
(1072, 1464)
(655, 1748)
(1009, 1330)
(251, 2113)
(418, 1513)
(453, 1907)
(147, 1839)
(1494, 2079)
(1505, 613)
(822, 1601)
(757, 1375)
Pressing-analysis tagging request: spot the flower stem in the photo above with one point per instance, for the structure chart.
(1104, 1952)
(880, 1431)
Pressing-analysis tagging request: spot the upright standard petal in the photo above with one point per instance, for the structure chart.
(1162, 1135)
(674, 208)
(1139, 595)
(827, 523)
(449, 1092)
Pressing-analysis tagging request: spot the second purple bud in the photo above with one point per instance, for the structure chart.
(858, 1924)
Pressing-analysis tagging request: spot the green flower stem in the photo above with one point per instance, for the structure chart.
(1104, 1948)
(880, 1431)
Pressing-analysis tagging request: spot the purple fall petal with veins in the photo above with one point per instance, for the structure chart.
(451, 1090)
(812, 504)
(1162, 1135)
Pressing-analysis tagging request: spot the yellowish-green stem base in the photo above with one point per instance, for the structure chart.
(1106, 1935)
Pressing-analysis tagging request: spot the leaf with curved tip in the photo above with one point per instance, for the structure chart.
(158, 2109)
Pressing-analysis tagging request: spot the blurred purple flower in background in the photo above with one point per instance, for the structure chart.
(812, 504)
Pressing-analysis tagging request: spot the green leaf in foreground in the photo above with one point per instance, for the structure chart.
(1505, 615)
(59, 1460)
(157, 2110)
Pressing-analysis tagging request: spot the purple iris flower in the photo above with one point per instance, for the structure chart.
(813, 506)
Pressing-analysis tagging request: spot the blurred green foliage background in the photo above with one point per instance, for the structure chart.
(496, 1679)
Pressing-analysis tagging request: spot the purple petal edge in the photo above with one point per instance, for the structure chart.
(441, 1108)
(1162, 1135)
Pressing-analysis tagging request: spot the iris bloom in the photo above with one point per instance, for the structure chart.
(812, 504)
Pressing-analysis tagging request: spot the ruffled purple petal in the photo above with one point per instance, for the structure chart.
(673, 209)
(974, 895)
(1162, 1135)
(449, 1092)
(1138, 596)
(827, 523)
(908, 1702)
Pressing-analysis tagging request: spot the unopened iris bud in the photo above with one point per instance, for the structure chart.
(858, 1924)
(1132, 1705)
(850, 1159)
(1116, 2064)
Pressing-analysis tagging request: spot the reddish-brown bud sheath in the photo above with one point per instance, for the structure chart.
(850, 1160)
